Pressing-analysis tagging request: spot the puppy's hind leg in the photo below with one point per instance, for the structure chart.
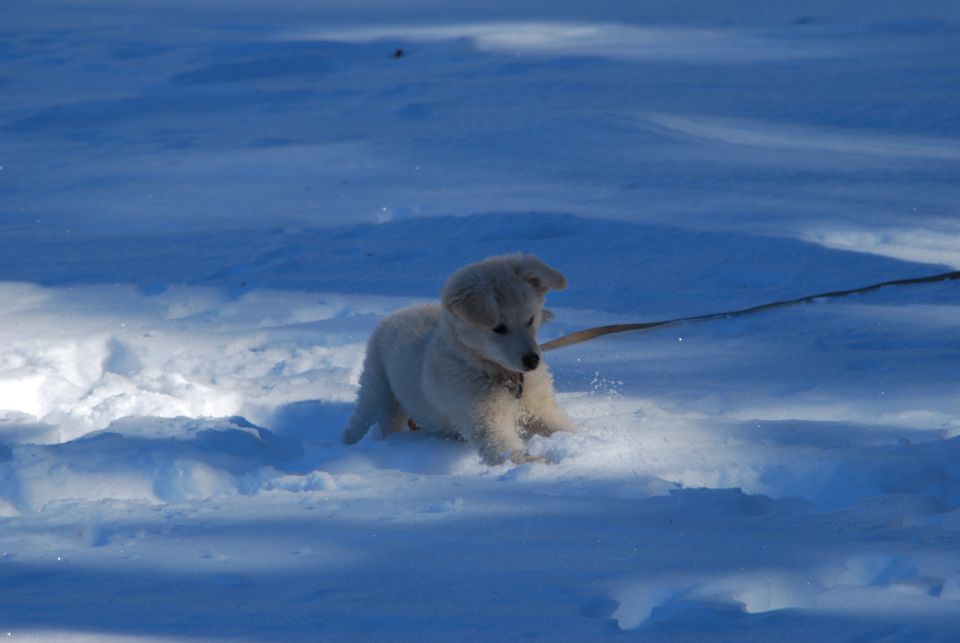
(375, 403)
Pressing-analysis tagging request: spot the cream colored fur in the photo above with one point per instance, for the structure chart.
(453, 368)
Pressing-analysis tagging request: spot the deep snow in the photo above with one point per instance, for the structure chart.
(204, 210)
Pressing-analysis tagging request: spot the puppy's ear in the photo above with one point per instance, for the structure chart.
(541, 276)
(471, 299)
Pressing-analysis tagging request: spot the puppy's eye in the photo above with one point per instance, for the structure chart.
(530, 322)
(500, 330)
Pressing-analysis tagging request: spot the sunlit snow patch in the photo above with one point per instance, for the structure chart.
(794, 138)
(609, 40)
(922, 245)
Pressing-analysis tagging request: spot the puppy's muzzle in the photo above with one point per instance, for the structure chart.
(531, 361)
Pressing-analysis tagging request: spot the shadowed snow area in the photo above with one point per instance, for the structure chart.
(206, 208)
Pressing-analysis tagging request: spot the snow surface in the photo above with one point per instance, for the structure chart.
(206, 207)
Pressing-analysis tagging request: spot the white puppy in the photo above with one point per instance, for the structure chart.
(470, 368)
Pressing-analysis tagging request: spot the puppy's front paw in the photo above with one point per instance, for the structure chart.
(545, 428)
(514, 456)
(522, 457)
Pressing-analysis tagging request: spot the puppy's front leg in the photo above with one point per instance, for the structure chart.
(542, 415)
(494, 431)
(540, 426)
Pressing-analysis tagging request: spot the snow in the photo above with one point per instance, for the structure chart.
(207, 207)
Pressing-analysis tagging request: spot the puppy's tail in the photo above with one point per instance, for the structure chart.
(374, 400)
(356, 428)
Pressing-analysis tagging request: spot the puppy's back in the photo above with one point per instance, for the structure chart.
(409, 327)
(401, 342)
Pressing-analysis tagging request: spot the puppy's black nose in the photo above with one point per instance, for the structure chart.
(531, 361)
